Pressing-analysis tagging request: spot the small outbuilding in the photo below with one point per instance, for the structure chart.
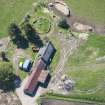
(46, 53)
(26, 65)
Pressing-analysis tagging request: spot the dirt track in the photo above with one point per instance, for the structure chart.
(97, 28)
(67, 48)
(60, 102)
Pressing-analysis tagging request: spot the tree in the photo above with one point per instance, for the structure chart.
(30, 32)
(6, 75)
(28, 29)
(32, 35)
(14, 31)
(63, 23)
(3, 56)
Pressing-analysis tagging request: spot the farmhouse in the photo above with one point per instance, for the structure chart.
(39, 75)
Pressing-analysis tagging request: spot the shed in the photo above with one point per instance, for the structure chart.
(26, 65)
(47, 52)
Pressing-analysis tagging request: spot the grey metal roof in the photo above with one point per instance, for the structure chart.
(47, 51)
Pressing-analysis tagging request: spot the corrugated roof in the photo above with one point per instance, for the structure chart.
(43, 76)
(33, 78)
(47, 51)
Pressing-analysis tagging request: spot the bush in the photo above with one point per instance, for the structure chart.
(6, 75)
(63, 23)
(14, 31)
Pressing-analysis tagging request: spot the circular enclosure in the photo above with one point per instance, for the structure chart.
(42, 25)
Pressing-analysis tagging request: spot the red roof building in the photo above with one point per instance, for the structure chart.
(39, 75)
(33, 78)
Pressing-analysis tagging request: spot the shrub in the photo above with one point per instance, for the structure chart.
(63, 23)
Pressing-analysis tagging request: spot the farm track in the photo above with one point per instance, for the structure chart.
(67, 48)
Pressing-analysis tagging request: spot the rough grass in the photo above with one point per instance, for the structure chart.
(90, 82)
(42, 25)
(74, 98)
(55, 96)
(89, 51)
(89, 76)
(55, 60)
(90, 9)
(10, 11)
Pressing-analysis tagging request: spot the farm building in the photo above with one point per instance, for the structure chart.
(44, 78)
(33, 78)
(46, 53)
(43, 75)
(40, 76)
(26, 65)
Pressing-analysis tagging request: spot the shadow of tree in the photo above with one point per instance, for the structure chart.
(33, 36)
(11, 85)
(4, 57)
(38, 42)
(22, 43)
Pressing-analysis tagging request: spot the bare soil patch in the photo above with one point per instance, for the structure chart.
(9, 98)
(73, 18)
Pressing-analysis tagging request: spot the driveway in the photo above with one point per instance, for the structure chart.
(68, 46)
(25, 99)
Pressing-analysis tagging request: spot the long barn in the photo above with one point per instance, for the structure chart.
(39, 74)
(33, 78)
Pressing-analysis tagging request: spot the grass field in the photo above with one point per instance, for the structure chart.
(89, 75)
(10, 11)
(42, 25)
(90, 9)
(89, 51)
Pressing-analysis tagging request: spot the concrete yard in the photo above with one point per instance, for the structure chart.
(25, 99)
